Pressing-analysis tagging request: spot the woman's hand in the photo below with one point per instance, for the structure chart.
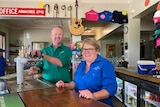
(60, 83)
(86, 94)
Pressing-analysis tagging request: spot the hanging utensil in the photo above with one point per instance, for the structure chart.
(63, 7)
(56, 9)
(47, 6)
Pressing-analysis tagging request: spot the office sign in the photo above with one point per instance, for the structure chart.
(22, 11)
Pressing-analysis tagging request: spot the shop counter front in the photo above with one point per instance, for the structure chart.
(132, 72)
(56, 97)
(137, 90)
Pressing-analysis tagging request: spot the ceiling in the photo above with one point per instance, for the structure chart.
(23, 23)
(48, 23)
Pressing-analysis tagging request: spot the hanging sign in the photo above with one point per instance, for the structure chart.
(22, 11)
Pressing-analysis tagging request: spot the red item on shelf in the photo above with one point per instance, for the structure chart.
(91, 15)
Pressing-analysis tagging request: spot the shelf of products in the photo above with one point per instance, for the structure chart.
(151, 103)
(10, 69)
(130, 94)
(119, 93)
(76, 55)
(150, 94)
(14, 49)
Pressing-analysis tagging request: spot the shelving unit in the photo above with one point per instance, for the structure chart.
(151, 103)
(130, 94)
(150, 95)
(119, 93)
(13, 51)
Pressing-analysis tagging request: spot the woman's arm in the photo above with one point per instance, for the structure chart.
(102, 94)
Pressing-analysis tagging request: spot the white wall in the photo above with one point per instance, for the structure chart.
(137, 7)
(16, 35)
(83, 6)
(114, 39)
(36, 35)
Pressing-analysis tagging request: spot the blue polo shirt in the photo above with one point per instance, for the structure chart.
(100, 76)
(2, 66)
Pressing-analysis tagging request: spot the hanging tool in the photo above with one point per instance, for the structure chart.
(63, 7)
(47, 6)
(56, 9)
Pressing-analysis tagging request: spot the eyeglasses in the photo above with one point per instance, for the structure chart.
(87, 49)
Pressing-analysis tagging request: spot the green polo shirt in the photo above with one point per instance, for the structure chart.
(54, 73)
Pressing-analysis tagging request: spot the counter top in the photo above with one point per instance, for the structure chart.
(56, 97)
(133, 73)
(36, 92)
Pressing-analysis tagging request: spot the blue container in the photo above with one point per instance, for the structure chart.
(146, 67)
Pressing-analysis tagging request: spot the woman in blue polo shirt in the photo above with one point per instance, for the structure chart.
(95, 77)
(2, 63)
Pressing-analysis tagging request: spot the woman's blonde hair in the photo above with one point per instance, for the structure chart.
(93, 42)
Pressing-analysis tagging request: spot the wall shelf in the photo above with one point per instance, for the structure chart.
(13, 51)
(15, 45)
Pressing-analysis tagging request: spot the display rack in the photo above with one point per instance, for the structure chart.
(130, 94)
(119, 93)
(151, 99)
(13, 53)
(14, 49)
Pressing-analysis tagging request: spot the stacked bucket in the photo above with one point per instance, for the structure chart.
(156, 19)
(156, 36)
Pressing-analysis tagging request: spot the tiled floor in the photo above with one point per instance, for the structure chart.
(117, 103)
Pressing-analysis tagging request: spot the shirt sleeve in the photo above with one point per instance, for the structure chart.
(109, 78)
(66, 57)
(39, 63)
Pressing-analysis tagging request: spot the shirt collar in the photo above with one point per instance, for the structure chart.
(61, 46)
(98, 58)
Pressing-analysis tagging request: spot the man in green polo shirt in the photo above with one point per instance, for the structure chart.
(56, 59)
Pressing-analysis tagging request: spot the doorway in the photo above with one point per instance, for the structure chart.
(3, 42)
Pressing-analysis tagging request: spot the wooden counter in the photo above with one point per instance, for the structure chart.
(37, 92)
(56, 97)
(130, 72)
